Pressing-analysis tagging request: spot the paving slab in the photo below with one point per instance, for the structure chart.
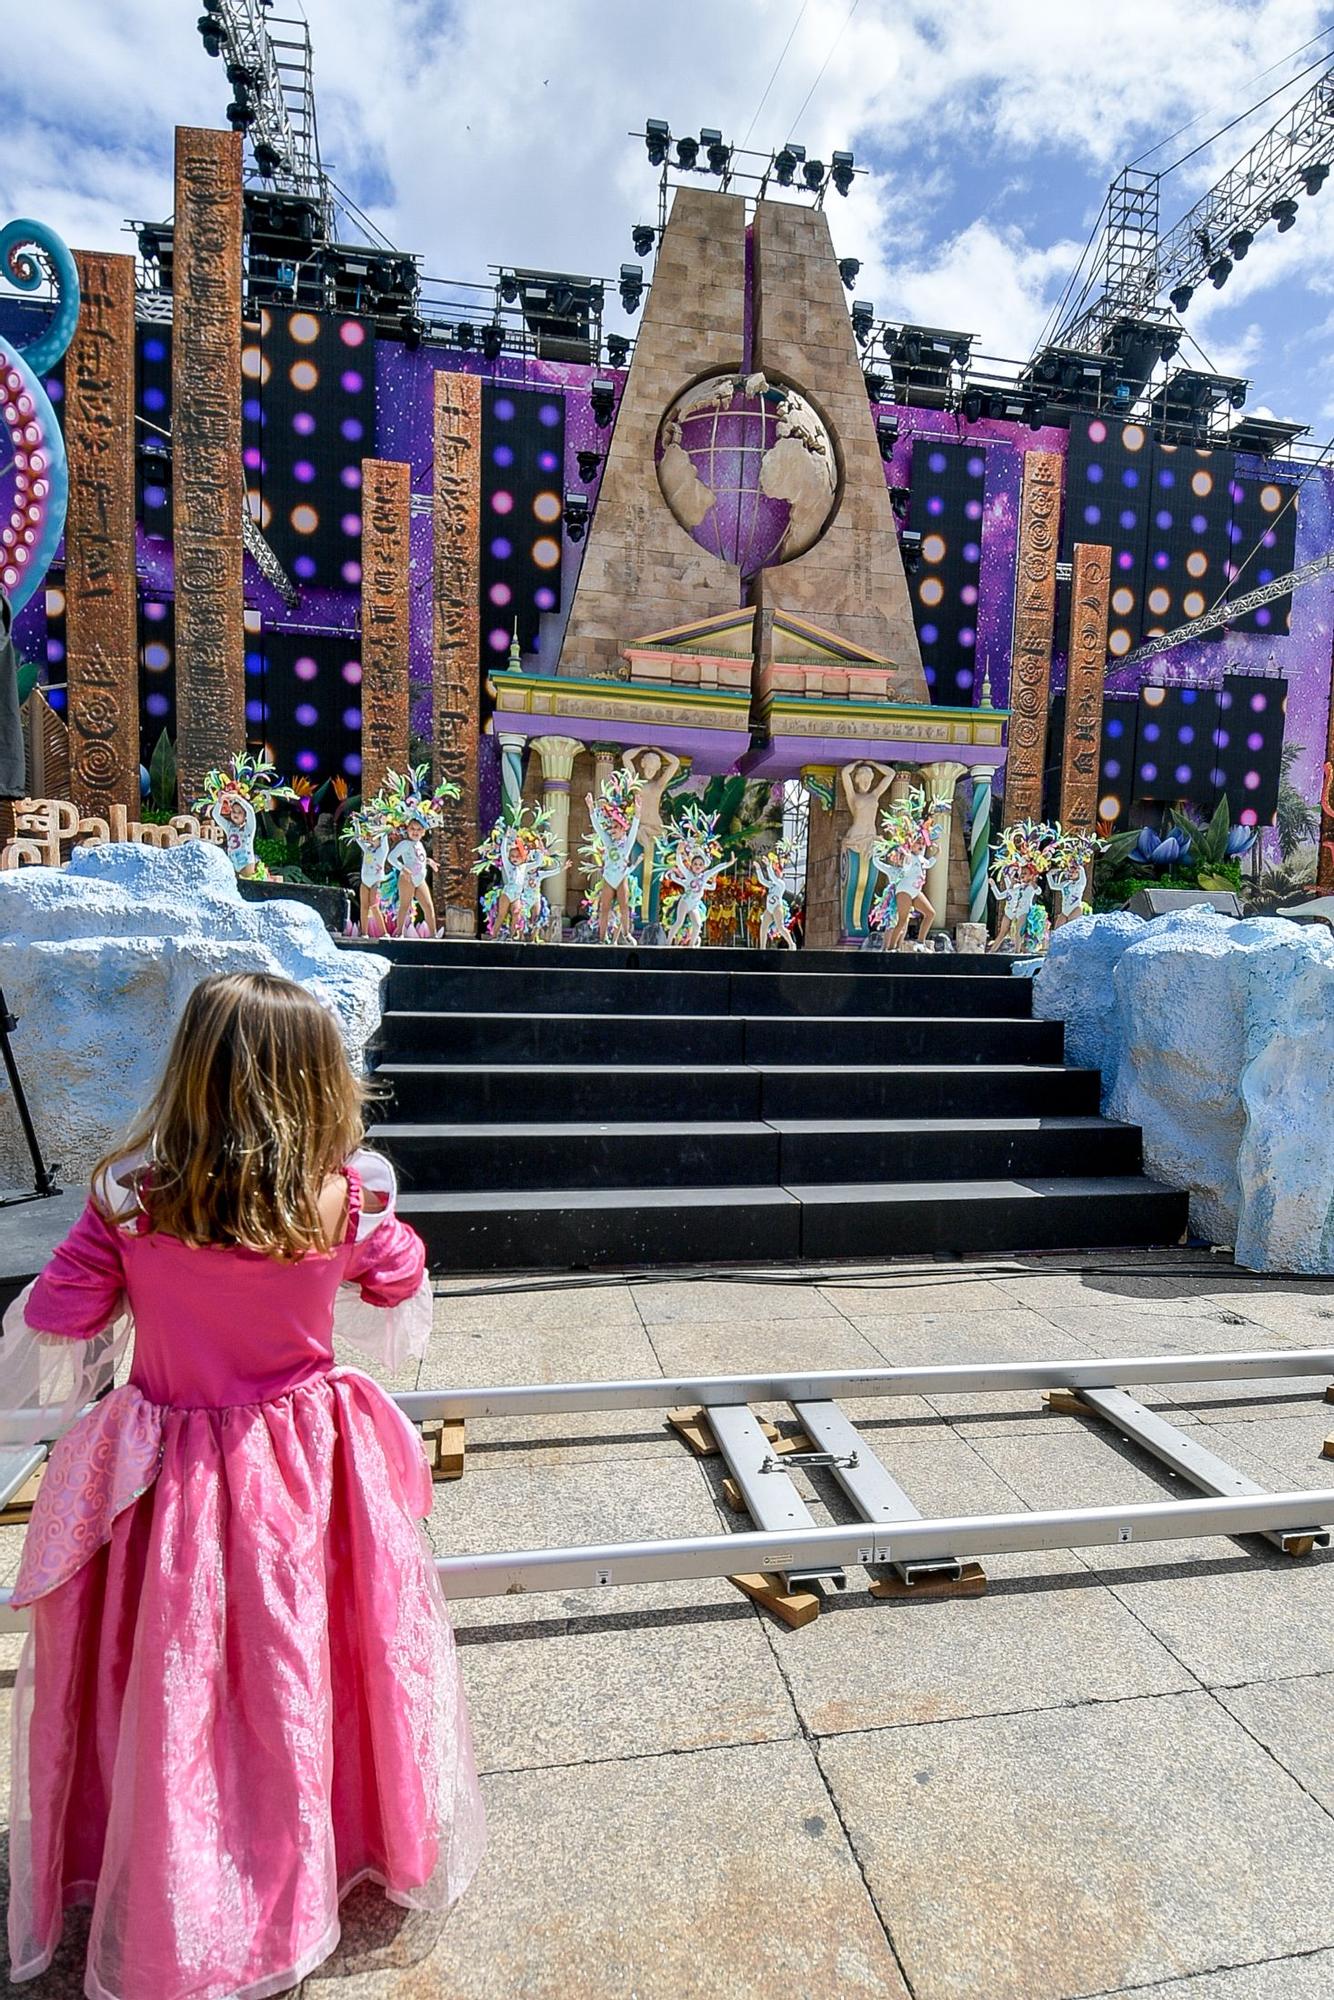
(1109, 1328)
(743, 1299)
(1229, 1611)
(1291, 1719)
(948, 1290)
(1039, 1638)
(716, 1875)
(757, 1346)
(982, 1336)
(1310, 1977)
(1040, 1857)
(481, 1357)
(516, 1310)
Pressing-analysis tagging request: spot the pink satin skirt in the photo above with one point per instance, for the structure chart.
(239, 1696)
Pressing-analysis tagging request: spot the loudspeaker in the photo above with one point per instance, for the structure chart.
(1157, 902)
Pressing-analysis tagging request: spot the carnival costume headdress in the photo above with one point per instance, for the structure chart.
(1025, 844)
(513, 842)
(246, 778)
(404, 798)
(692, 839)
(1069, 850)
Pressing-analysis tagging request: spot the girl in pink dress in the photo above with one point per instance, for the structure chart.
(239, 1694)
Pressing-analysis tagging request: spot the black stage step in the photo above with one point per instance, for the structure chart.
(554, 1107)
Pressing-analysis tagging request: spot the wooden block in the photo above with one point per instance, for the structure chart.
(449, 1450)
(1299, 1545)
(692, 1427)
(19, 1508)
(1329, 1393)
(798, 1441)
(1328, 1448)
(732, 1495)
(1066, 1401)
(790, 1607)
(972, 1583)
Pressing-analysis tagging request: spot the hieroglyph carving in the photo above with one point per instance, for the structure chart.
(456, 636)
(1090, 586)
(1034, 614)
(385, 506)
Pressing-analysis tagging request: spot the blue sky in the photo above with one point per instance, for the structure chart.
(488, 131)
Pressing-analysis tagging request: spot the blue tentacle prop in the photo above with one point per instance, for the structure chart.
(35, 519)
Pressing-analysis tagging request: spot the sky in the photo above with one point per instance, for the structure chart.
(483, 132)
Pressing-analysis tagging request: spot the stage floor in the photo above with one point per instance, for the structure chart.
(1111, 1773)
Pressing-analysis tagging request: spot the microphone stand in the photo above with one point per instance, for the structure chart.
(46, 1180)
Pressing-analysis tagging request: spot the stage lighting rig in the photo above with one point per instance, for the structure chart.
(718, 155)
(875, 386)
(1181, 296)
(509, 288)
(618, 350)
(643, 235)
(1314, 176)
(972, 405)
(466, 335)
(657, 138)
(848, 269)
(210, 28)
(1239, 242)
(840, 172)
(910, 548)
(813, 175)
(787, 161)
(493, 342)
(602, 396)
(150, 245)
(886, 434)
(1284, 213)
(1219, 272)
(687, 154)
(267, 158)
(412, 330)
(589, 461)
(900, 499)
(632, 286)
(863, 319)
(576, 515)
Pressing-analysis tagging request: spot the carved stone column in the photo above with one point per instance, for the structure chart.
(1034, 615)
(558, 754)
(1325, 864)
(101, 603)
(939, 781)
(1089, 589)
(207, 477)
(979, 843)
(511, 770)
(386, 498)
(456, 637)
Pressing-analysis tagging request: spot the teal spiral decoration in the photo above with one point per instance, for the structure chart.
(32, 510)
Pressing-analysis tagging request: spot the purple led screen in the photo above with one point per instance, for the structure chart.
(1263, 535)
(1248, 744)
(303, 705)
(1175, 747)
(157, 673)
(309, 420)
(1116, 777)
(948, 489)
(523, 458)
(1188, 538)
(153, 410)
(1108, 493)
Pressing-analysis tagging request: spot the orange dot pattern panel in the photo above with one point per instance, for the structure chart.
(1188, 539)
(1263, 545)
(948, 485)
(523, 464)
(1107, 498)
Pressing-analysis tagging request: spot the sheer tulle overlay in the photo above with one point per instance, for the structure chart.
(239, 1695)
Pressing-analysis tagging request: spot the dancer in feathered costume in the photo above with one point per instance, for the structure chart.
(233, 799)
(903, 855)
(1069, 861)
(525, 855)
(370, 832)
(693, 860)
(776, 916)
(1018, 863)
(411, 814)
(608, 855)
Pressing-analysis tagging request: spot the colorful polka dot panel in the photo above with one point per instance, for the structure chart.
(523, 454)
(1108, 495)
(153, 430)
(1188, 542)
(1248, 745)
(308, 407)
(1116, 775)
(1263, 545)
(948, 484)
(303, 703)
(1174, 747)
(157, 673)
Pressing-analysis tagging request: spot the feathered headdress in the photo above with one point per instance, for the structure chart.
(1070, 850)
(524, 840)
(1025, 844)
(693, 836)
(404, 798)
(248, 778)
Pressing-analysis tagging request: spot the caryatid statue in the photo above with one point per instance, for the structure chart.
(864, 785)
(655, 770)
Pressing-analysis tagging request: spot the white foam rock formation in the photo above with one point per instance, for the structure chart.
(1217, 1038)
(97, 960)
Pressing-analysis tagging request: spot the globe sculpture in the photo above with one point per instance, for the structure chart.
(747, 468)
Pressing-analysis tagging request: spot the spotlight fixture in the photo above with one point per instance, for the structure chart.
(848, 267)
(840, 172)
(240, 112)
(1168, 346)
(900, 499)
(787, 162)
(589, 461)
(1048, 369)
(1181, 296)
(208, 29)
(813, 175)
(576, 515)
(632, 286)
(642, 236)
(150, 245)
(972, 405)
(687, 154)
(1237, 395)
(267, 158)
(411, 328)
(863, 318)
(717, 154)
(618, 350)
(1035, 415)
(602, 396)
(886, 434)
(1071, 376)
(912, 349)
(493, 341)
(466, 335)
(657, 138)
(910, 548)
(1284, 213)
(1313, 178)
(509, 288)
(875, 386)
(1239, 242)
(1220, 271)
(889, 339)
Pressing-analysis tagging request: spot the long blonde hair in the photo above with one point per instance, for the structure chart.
(257, 1107)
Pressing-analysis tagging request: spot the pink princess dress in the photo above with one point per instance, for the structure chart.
(239, 1694)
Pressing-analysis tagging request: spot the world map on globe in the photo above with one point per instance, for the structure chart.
(748, 469)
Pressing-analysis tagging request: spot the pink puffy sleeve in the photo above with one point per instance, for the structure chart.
(384, 1303)
(63, 1335)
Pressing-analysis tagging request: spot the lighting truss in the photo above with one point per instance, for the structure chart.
(1230, 611)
